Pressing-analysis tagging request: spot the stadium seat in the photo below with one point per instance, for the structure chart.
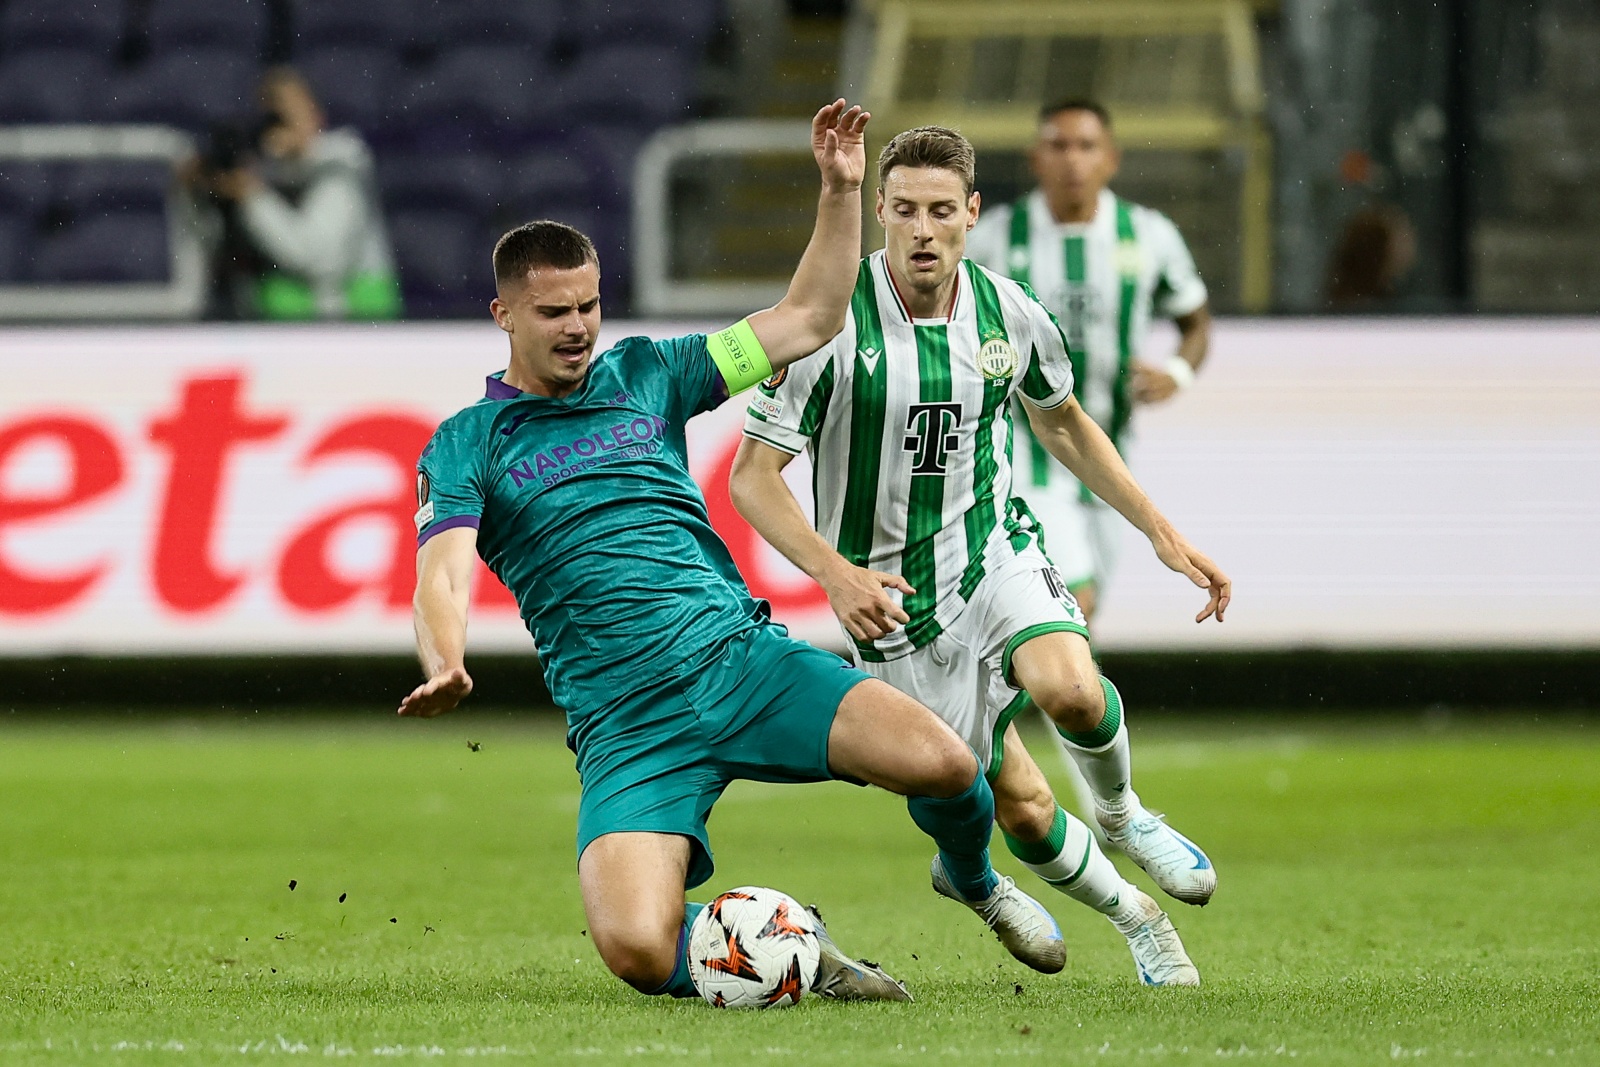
(447, 24)
(16, 237)
(82, 25)
(356, 85)
(192, 89)
(318, 23)
(118, 247)
(544, 179)
(56, 85)
(444, 262)
(105, 186)
(478, 86)
(25, 188)
(684, 24)
(610, 151)
(467, 183)
(236, 25)
(628, 83)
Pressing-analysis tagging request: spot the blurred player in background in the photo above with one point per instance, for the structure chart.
(570, 478)
(1106, 267)
(907, 417)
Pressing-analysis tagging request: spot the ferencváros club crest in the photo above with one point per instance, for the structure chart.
(997, 359)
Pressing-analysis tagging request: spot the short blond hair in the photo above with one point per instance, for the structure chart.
(930, 146)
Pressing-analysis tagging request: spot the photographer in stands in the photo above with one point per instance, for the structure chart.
(304, 206)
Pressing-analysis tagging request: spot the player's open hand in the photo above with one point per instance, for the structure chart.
(838, 140)
(1184, 558)
(859, 597)
(437, 695)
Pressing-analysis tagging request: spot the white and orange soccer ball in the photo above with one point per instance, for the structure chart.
(753, 947)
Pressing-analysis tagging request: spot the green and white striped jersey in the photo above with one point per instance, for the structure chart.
(1105, 280)
(908, 424)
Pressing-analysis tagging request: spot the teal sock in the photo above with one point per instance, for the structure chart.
(680, 985)
(960, 826)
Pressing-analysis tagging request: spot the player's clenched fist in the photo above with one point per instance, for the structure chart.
(838, 140)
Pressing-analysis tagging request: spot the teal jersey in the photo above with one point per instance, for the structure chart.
(586, 510)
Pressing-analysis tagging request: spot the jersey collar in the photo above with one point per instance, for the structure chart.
(957, 298)
(494, 388)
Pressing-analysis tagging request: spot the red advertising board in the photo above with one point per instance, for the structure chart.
(251, 489)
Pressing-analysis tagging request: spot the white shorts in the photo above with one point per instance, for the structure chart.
(964, 674)
(1081, 537)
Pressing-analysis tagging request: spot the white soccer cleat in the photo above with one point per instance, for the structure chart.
(841, 978)
(1026, 930)
(1157, 951)
(1178, 866)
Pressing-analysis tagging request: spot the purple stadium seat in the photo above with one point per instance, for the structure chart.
(83, 25)
(545, 179)
(628, 83)
(357, 85)
(192, 89)
(119, 247)
(236, 25)
(108, 186)
(386, 23)
(55, 85)
(469, 184)
(447, 24)
(16, 236)
(485, 85)
(25, 188)
(680, 23)
(444, 262)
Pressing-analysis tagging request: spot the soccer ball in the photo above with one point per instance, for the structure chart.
(753, 947)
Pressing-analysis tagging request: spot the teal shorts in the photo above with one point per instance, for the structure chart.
(758, 707)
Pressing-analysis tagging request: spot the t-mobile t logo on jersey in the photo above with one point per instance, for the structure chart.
(931, 435)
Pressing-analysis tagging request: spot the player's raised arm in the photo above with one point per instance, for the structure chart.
(1071, 436)
(439, 612)
(813, 310)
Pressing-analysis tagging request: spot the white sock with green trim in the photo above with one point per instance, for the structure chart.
(1069, 859)
(1102, 756)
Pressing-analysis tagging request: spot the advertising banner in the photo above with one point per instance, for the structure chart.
(251, 489)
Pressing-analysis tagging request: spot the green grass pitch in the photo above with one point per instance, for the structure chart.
(1388, 891)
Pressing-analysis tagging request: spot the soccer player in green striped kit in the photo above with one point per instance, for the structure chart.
(934, 570)
(1106, 267)
(570, 477)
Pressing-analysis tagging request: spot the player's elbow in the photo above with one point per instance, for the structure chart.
(826, 324)
(744, 480)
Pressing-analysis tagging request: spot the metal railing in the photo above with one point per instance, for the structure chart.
(181, 297)
(986, 68)
(656, 292)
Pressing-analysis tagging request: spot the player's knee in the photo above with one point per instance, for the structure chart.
(1027, 818)
(644, 959)
(1073, 702)
(951, 769)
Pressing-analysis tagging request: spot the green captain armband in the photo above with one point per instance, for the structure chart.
(739, 356)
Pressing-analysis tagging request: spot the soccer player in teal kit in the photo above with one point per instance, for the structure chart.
(570, 478)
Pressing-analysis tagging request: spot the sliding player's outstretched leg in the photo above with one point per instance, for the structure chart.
(882, 736)
(1060, 849)
(1060, 676)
